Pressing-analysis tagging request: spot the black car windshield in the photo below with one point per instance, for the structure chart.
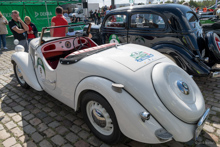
(193, 20)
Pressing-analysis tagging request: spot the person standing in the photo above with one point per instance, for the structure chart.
(99, 16)
(95, 16)
(102, 15)
(107, 11)
(32, 33)
(3, 31)
(18, 29)
(59, 20)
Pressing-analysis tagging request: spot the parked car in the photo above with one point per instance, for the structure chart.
(95, 31)
(129, 90)
(172, 29)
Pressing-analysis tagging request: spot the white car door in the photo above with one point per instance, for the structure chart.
(45, 73)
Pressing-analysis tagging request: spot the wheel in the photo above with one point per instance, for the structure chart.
(19, 77)
(171, 58)
(100, 118)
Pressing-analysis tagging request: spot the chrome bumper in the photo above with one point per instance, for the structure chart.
(201, 123)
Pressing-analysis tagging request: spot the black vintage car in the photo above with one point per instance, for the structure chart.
(171, 29)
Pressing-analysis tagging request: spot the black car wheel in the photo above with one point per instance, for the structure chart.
(20, 77)
(171, 58)
(100, 118)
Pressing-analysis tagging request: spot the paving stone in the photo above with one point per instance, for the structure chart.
(215, 119)
(36, 137)
(85, 127)
(16, 145)
(35, 121)
(42, 127)
(71, 117)
(54, 124)
(10, 125)
(67, 145)
(52, 114)
(58, 140)
(48, 120)
(17, 132)
(105, 145)
(11, 114)
(216, 109)
(45, 143)
(29, 117)
(72, 137)
(24, 113)
(24, 138)
(75, 128)
(218, 132)
(81, 143)
(94, 141)
(29, 129)
(61, 130)
(78, 122)
(59, 118)
(49, 133)
(17, 118)
(1, 127)
(5, 119)
(9, 142)
(67, 123)
(22, 123)
(35, 111)
(4, 134)
(209, 128)
(83, 134)
(41, 115)
(30, 144)
(18, 108)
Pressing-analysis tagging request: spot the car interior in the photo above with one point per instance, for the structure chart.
(54, 50)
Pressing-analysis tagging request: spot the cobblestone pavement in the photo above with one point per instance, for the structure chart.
(31, 118)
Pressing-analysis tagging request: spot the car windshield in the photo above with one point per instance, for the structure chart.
(54, 33)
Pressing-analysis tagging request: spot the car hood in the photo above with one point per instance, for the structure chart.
(132, 56)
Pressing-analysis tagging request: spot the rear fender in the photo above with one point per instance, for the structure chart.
(126, 109)
(184, 59)
(25, 64)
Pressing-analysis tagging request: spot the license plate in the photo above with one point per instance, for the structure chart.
(201, 123)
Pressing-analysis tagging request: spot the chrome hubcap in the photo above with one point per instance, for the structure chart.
(19, 75)
(183, 87)
(99, 118)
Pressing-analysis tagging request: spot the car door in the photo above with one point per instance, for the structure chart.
(45, 73)
(114, 28)
(146, 28)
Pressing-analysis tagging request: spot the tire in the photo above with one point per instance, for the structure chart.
(19, 77)
(171, 58)
(95, 110)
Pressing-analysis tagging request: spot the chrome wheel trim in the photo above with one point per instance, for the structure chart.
(19, 75)
(95, 110)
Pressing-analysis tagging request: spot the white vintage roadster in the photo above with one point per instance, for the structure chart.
(122, 90)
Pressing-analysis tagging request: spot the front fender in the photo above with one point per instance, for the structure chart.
(184, 59)
(126, 109)
(25, 64)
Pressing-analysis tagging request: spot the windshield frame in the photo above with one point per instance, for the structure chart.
(52, 27)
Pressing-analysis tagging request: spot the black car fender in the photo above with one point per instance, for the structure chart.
(183, 59)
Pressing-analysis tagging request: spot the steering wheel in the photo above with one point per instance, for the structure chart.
(81, 42)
